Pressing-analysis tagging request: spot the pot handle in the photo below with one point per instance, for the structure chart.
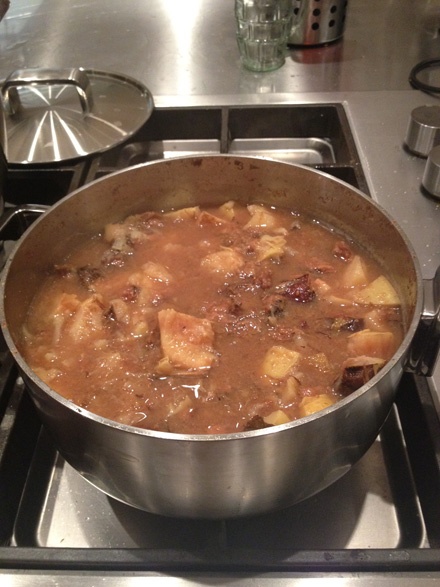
(76, 77)
(16, 220)
(425, 345)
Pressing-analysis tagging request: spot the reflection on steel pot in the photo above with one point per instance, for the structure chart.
(3, 162)
(228, 475)
(3, 177)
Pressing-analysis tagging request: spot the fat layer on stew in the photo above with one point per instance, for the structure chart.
(212, 320)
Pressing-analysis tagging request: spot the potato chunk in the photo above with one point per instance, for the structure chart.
(355, 273)
(227, 210)
(320, 362)
(379, 292)
(225, 262)
(372, 344)
(315, 403)
(186, 341)
(276, 418)
(291, 391)
(279, 362)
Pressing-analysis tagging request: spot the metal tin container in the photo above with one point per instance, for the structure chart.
(431, 175)
(316, 22)
(423, 132)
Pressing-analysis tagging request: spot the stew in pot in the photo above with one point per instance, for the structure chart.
(212, 320)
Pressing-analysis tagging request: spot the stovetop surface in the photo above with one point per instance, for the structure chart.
(371, 507)
(382, 517)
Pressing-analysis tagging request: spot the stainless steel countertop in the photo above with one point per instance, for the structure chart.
(185, 52)
(188, 48)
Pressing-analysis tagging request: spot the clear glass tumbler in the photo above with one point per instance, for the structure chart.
(263, 28)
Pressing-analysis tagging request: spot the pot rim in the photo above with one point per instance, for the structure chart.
(398, 356)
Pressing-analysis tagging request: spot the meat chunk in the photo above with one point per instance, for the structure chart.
(342, 250)
(186, 341)
(298, 289)
(113, 258)
(358, 370)
(320, 266)
(256, 423)
(274, 304)
(88, 275)
(225, 310)
(254, 276)
(347, 324)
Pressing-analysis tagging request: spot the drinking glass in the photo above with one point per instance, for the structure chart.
(263, 28)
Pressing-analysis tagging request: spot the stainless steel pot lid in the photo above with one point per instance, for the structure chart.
(57, 115)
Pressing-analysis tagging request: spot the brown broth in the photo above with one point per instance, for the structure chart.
(212, 321)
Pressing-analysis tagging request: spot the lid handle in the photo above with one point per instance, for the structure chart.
(76, 77)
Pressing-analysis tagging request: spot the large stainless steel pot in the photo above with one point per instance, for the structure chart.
(222, 475)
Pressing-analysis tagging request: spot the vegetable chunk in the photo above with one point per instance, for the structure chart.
(270, 247)
(260, 217)
(372, 344)
(186, 341)
(225, 262)
(276, 418)
(88, 319)
(279, 362)
(355, 273)
(379, 292)
(315, 403)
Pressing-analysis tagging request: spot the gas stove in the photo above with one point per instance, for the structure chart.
(378, 525)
